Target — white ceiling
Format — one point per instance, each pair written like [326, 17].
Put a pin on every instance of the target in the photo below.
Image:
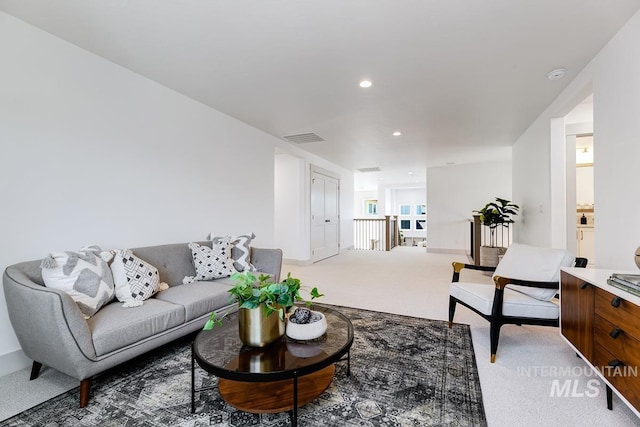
[462, 79]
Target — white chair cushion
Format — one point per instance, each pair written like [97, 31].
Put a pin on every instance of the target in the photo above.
[526, 262]
[480, 297]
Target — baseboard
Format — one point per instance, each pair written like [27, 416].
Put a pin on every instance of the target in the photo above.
[302, 262]
[12, 362]
[446, 251]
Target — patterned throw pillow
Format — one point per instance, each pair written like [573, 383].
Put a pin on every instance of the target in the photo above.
[211, 263]
[136, 280]
[84, 275]
[240, 251]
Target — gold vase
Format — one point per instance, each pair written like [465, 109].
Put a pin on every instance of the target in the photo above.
[257, 329]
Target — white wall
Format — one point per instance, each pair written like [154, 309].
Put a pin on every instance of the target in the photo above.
[454, 192]
[93, 153]
[359, 199]
[290, 194]
[613, 77]
[293, 183]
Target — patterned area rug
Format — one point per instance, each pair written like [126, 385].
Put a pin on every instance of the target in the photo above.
[405, 371]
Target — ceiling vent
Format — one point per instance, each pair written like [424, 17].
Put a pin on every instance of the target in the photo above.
[303, 138]
[373, 169]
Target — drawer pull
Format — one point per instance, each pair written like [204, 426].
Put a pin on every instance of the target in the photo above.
[615, 333]
[584, 285]
[615, 363]
[615, 302]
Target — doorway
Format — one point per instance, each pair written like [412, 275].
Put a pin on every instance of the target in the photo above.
[580, 195]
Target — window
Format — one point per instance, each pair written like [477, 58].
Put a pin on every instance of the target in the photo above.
[405, 224]
[405, 209]
[371, 207]
[421, 209]
[420, 224]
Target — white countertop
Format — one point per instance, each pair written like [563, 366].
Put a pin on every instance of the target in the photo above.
[598, 277]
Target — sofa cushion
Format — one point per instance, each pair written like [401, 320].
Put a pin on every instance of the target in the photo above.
[136, 280]
[197, 298]
[84, 275]
[115, 327]
[480, 296]
[240, 250]
[173, 261]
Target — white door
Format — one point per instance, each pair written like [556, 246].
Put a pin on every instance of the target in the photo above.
[325, 193]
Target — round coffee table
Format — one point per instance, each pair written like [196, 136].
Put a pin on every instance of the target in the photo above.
[279, 377]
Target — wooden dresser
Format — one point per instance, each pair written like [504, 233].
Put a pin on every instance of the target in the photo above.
[602, 323]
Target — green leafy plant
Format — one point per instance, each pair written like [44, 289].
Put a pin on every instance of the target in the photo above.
[497, 213]
[250, 292]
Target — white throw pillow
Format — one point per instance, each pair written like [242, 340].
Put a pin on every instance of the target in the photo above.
[135, 279]
[240, 250]
[211, 263]
[526, 262]
[84, 275]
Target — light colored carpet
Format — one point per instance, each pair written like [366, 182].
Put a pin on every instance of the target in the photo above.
[412, 282]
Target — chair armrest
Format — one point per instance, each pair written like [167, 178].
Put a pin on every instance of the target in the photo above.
[459, 266]
[502, 281]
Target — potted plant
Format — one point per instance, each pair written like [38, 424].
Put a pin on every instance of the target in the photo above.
[493, 215]
[258, 299]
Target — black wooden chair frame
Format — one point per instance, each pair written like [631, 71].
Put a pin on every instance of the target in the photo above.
[496, 319]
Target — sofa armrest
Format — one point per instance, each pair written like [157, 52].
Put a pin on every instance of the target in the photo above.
[267, 261]
[50, 327]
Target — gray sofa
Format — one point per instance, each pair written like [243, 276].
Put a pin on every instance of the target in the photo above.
[53, 332]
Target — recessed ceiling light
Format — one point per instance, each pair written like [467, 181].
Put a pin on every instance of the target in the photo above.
[410, 173]
[397, 133]
[365, 83]
[556, 74]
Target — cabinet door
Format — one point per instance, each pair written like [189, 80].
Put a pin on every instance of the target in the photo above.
[586, 244]
[576, 313]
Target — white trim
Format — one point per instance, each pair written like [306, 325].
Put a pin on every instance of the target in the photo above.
[13, 362]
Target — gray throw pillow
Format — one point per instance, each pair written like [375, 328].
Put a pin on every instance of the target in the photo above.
[84, 275]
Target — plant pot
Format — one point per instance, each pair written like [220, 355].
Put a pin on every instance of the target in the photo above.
[489, 256]
[263, 359]
[257, 329]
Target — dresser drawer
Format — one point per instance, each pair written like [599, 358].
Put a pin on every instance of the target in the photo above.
[623, 347]
[626, 314]
[626, 379]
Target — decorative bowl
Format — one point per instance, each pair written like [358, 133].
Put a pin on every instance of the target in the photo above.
[307, 331]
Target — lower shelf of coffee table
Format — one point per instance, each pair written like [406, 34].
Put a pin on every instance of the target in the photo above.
[274, 396]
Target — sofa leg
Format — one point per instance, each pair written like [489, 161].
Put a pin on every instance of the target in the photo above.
[35, 370]
[85, 387]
